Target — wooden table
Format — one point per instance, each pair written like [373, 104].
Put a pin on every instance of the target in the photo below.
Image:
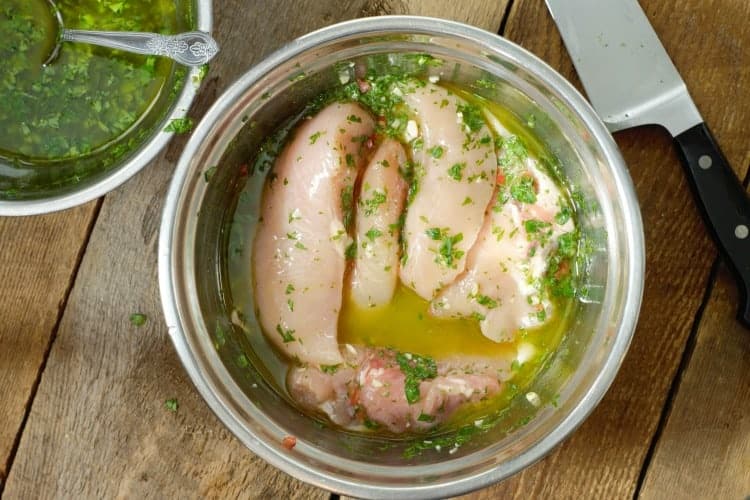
[82, 390]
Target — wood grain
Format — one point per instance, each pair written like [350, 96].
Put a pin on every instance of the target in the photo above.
[604, 458]
[704, 450]
[39, 259]
[486, 15]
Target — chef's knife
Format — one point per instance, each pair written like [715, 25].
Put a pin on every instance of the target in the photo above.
[630, 80]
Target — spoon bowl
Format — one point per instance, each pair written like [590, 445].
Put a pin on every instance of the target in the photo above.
[193, 48]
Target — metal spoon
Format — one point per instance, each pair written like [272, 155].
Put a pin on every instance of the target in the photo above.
[194, 48]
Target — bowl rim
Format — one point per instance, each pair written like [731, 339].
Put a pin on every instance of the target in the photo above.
[143, 157]
[633, 241]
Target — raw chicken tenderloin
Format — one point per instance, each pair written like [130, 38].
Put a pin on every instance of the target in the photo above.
[506, 264]
[299, 258]
[370, 386]
[381, 202]
[455, 175]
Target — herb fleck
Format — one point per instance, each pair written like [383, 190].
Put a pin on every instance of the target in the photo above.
[317, 135]
[372, 204]
[456, 171]
[416, 369]
[138, 319]
[179, 125]
[172, 404]
[287, 335]
[330, 369]
[373, 233]
[523, 190]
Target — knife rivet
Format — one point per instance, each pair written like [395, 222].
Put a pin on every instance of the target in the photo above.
[705, 162]
[741, 231]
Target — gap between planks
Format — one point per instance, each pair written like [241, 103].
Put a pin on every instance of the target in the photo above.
[687, 355]
[50, 343]
[674, 387]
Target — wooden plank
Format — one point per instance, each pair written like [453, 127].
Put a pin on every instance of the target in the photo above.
[98, 427]
[704, 450]
[486, 15]
[603, 459]
[40, 256]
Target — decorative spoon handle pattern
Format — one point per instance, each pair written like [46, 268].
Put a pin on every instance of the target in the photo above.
[194, 48]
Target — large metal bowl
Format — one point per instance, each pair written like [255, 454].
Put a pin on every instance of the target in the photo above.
[59, 185]
[193, 253]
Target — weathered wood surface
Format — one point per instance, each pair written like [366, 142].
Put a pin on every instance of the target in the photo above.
[98, 426]
[39, 259]
[704, 450]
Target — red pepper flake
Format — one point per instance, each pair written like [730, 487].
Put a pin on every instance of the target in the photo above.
[243, 170]
[289, 442]
[563, 270]
[364, 85]
[500, 178]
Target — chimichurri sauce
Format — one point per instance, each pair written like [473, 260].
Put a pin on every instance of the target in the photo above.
[89, 97]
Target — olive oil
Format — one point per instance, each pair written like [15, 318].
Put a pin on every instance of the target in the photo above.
[89, 97]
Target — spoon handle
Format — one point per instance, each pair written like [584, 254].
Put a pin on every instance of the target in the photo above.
[194, 48]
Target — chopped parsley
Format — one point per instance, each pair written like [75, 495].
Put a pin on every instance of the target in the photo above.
[294, 215]
[563, 215]
[350, 161]
[436, 152]
[138, 319]
[423, 417]
[373, 233]
[242, 361]
[289, 289]
[486, 301]
[330, 369]
[471, 116]
[415, 368]
[372, 204]
[370, 424]
[347, 206]
[351, 251]
[209, 173]
[180, 125]
[537, 229]
[317, 135]
[172, 404]
[467, 201]
[447, 254]
[456, 171]
[287, 335]
[523, 190]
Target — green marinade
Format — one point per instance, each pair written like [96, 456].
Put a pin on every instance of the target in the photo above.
[90, 96]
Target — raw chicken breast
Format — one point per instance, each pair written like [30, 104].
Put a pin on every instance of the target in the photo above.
[306, 211]
[381, 202]
[455, 171]
[502, 282]
[372, 387]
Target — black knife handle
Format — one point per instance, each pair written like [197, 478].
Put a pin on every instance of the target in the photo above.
[724, 204]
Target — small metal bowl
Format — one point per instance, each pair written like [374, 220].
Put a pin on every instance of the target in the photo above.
[193, 254]
[69, 183]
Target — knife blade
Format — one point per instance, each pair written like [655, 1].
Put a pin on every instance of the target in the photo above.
[631, 81]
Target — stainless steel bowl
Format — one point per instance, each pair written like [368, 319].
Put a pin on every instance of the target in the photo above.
[62, 194]
[193, 246]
